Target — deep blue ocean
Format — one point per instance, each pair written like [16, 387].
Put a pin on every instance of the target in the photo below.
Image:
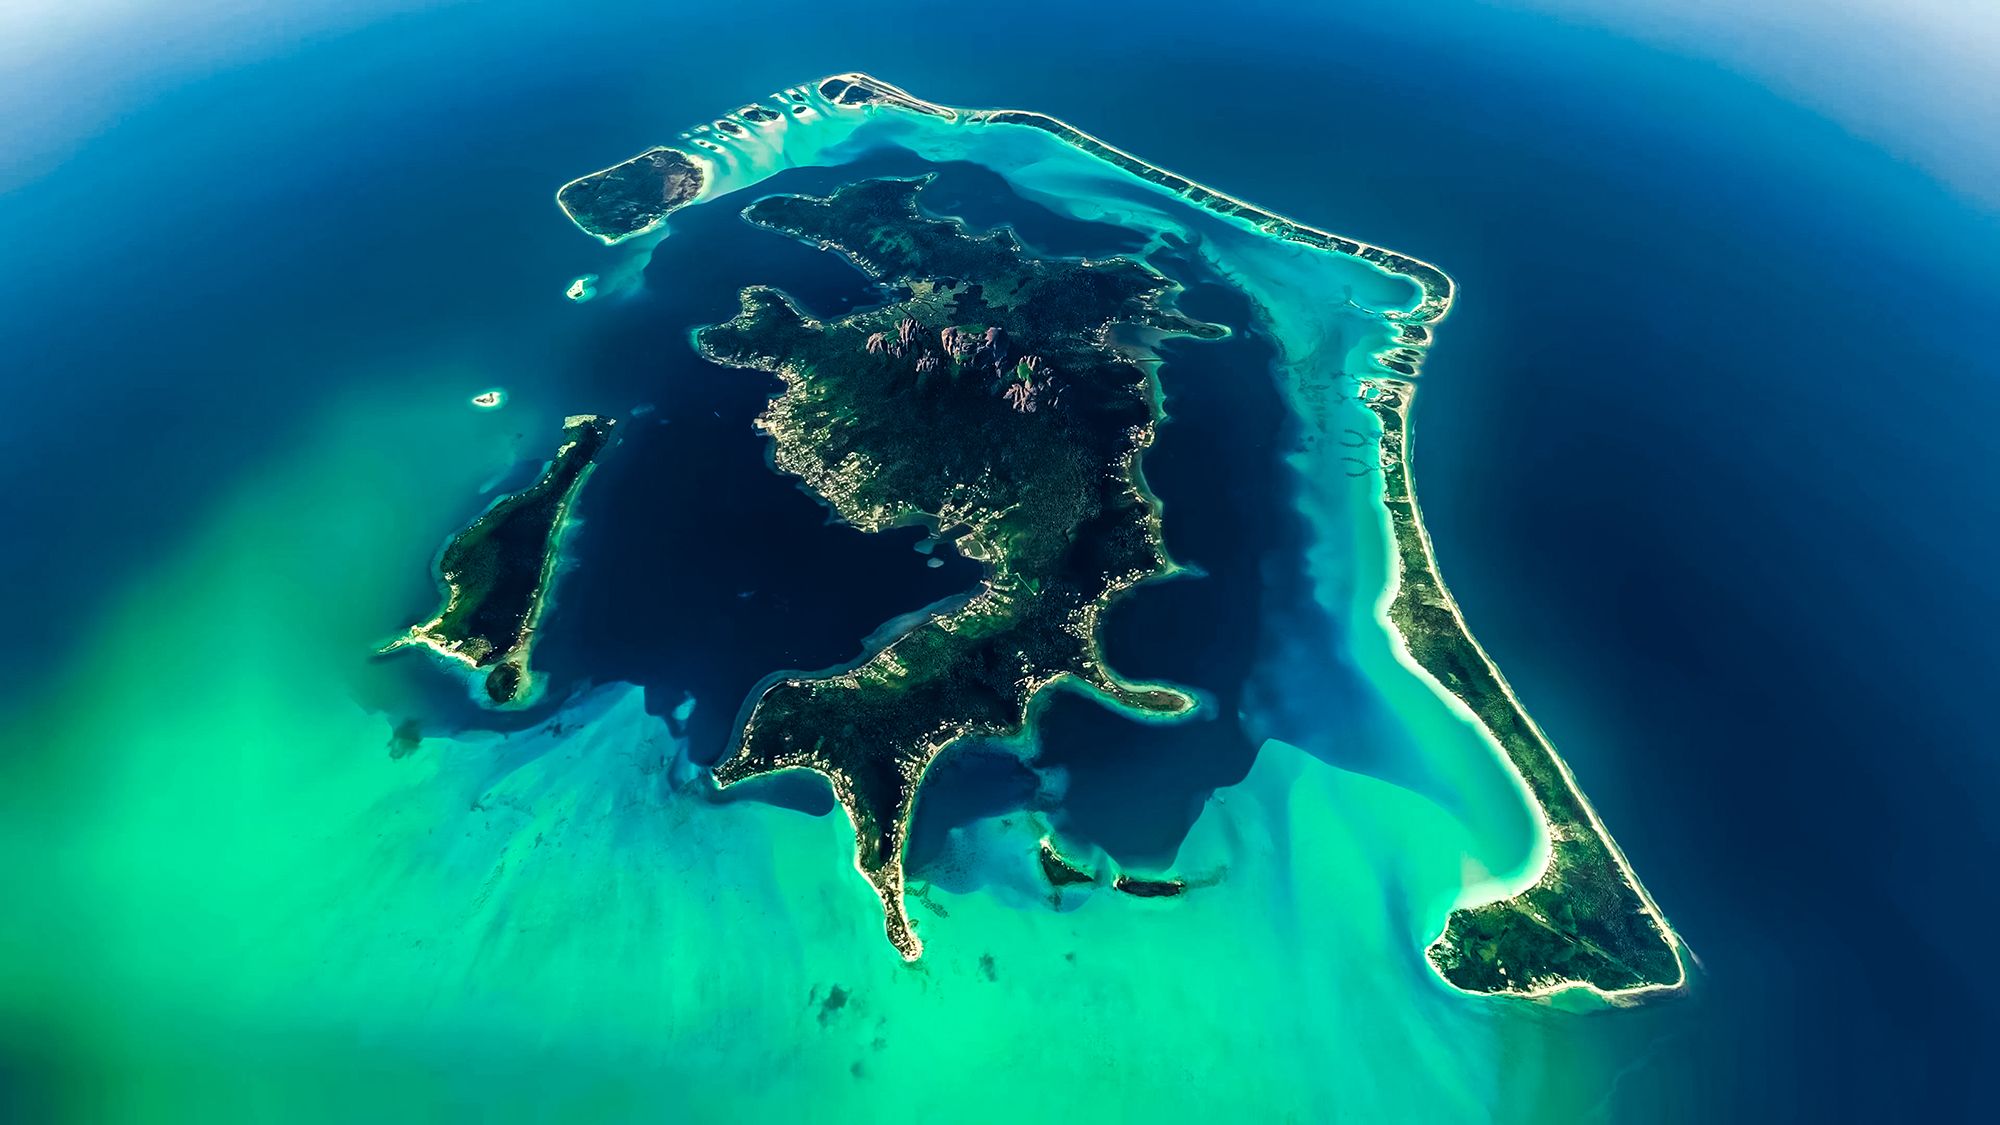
[1703, 445]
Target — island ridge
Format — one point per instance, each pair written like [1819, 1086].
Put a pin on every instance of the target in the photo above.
[992, 402]
[496, 574]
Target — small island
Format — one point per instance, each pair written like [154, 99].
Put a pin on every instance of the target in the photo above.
[496, 574]
[1586, 921]
[1149, 888]
[631, 197]
[1001, 401]
[867, 91]
[1059, 870]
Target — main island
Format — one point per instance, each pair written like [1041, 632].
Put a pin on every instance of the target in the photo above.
[992, 403]
[1004, 401]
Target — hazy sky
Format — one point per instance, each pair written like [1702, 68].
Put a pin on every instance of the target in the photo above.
[1919, 78]
[69, 68]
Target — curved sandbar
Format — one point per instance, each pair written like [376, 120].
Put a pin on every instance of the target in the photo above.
[1150, 888]
[1586, 921]
[1524, 945]
[634, 196]
[497, 573]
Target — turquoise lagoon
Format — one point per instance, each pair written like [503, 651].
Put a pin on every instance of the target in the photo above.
[227, 900]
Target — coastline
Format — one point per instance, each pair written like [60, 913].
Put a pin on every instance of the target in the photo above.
[1435, 287]
[1390, 402]
[517, 654]
[827, 484]
[1433, 283]
[572, 216]
[1402, 360]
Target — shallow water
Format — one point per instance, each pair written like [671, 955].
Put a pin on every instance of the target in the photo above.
[476, 860]
[229, 896]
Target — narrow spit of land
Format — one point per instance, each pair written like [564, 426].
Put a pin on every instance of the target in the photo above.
[1586, 921]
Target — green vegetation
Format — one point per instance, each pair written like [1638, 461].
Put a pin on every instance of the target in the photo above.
[1059, 870]
[1436, 287]
[1586, 921]
[988, 402]
[1150, 888]
[497, 572]
[627, 199]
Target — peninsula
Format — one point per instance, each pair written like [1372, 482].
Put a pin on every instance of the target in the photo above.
[991, 401]
[1059, 870]
[1586, 921]
[496, 573]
